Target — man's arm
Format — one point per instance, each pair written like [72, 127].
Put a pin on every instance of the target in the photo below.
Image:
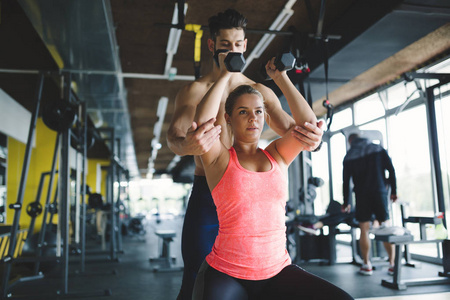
[392, 178]
[346, 175]
[184, 137]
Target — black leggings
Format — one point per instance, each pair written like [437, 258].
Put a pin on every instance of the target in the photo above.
[291, 283]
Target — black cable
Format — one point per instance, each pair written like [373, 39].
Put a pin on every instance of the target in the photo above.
[326, 103]
[330, 111]
[325, 63]
[180, 4]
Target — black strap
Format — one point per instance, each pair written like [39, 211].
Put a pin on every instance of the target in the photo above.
[326, 102]
[325, 64]
[197, 66]
[180, 4]
[309, 94]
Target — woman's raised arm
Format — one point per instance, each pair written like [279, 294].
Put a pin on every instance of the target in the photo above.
[287, 146]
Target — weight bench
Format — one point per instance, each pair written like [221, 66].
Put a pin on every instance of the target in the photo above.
[422, 222]
[324, 246]
[333, 232]
[397, 282]
[165, 260]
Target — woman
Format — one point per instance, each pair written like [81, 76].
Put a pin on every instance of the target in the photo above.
[249, 259]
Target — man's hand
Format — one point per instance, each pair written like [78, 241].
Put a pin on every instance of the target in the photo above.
[393, 197]
[199, 140]
[309, 135]
[346, 208]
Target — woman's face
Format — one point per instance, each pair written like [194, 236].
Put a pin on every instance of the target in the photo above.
[247, 117]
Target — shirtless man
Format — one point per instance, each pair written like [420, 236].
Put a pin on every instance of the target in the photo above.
[200, 228]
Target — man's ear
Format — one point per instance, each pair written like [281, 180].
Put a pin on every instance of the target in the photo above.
[211, 44]
[245, 45]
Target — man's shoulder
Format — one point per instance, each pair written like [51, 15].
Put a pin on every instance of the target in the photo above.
[240, 79]
[374, 148]
[196, 86]
[194, 90]
[257, 85]
[263, 89]
[363, 151]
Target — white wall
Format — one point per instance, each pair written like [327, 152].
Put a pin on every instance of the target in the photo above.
[14, 118]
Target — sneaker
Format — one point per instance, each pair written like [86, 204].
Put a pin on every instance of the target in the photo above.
[307, 229]
[391, 270]
[366, 270]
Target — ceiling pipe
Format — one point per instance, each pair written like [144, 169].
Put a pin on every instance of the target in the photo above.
[158, 76]
[100, 72]
[267, 38]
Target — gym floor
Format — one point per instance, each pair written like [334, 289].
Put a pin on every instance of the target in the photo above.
[132, 276]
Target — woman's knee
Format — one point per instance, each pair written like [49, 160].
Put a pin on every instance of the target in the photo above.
[294, 282]
[212, 284]
[199, 284]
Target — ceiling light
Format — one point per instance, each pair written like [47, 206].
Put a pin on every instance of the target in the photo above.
[156, 145]
[267, 38]
[174, 40]
[175, 34]
[173, 163]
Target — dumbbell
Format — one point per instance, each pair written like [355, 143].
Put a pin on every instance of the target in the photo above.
[234, 62]
[283, 62]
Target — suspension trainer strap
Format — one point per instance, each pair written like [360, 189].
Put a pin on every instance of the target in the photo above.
[197, 29]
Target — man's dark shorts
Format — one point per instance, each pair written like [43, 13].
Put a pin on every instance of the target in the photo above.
[373, 204]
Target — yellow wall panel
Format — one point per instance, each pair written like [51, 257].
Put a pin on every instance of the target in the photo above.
[40, 161]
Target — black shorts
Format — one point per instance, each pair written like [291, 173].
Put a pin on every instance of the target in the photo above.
[375, 204]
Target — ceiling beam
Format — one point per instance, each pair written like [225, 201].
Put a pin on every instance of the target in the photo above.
[407, 59]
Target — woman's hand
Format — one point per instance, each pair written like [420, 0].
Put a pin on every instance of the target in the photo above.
[272, 70]
[221, 58]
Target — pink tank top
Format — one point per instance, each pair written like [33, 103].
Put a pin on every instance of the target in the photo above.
[251, 243]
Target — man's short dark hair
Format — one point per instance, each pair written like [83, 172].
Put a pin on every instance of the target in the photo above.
[226, 20]
[352, 137]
